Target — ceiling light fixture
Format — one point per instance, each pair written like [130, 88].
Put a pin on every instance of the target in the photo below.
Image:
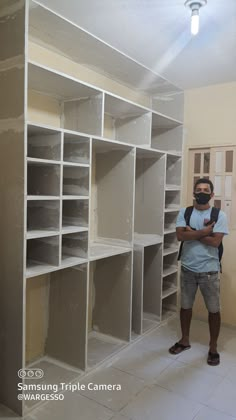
[194, 6]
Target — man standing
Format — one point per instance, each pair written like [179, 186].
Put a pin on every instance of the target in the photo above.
[200, 266]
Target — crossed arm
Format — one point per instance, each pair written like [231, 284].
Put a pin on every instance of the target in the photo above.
[205, 235]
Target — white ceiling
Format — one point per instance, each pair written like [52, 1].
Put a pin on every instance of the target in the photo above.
[157, 34]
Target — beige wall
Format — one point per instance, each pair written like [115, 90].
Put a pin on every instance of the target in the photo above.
[210, 121]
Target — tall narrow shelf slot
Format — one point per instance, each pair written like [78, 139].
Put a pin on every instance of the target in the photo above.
[149, 197]
[74, 248]
[110, 322]
[56, 325]
[173, 172]
[147, 281]
[111, 228]
[169, 306]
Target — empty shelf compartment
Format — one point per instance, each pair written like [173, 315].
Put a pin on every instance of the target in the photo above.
[43, 218]
[75, 181]
[76, 149]
[173, 171]
[112, 204]
[170, 264]
[43, 143]
[149, 194]
[84, 114]
[74, 248]
[167, 134]
[110, 283]
[171, 104]
[42, 255]
[43, 179]
[169, 306]
[170, 222]
[56, 306]
[74, 214]
[172, 200]
[126, 122]
[169, 285]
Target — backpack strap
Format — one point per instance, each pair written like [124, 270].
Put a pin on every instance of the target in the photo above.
[214, 217]
[187, 216]
[215, 214]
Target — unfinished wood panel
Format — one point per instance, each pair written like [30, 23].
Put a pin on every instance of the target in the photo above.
[76, 149]
[43, 179]
[152, 280]
[127, 122]
[137, 300]
[171, 105]
[112, 301]
[113, 209]
[75, 213]
[44, 109]
[149, 195]
[37, 306]
[173, 170]
[84, 115]
[75, 181]
[12, 107]
[170, 140]
[67, 323]
[43, 143]
[42, 217]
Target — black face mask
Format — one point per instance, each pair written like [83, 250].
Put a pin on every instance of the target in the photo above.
[202, 198]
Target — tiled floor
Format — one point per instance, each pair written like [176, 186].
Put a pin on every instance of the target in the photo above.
[154, 384]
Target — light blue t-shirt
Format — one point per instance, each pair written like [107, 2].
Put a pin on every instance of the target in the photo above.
[196, 256]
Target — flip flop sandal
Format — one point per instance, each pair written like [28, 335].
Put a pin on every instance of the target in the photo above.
[213, 359]
[177, 348]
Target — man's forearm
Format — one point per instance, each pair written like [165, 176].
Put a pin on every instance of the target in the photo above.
[210, 240]
[191, 235]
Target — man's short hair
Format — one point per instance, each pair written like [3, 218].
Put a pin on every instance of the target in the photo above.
[204, 181]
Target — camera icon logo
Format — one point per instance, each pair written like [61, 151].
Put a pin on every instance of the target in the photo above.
[30, 373]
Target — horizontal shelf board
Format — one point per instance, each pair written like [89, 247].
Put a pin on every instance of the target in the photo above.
[75, 197]
[172, 187]
[42, 197]
[119, 108]
[172, 210]
[73, 229]
[36, 128]
[81, 165]
[68, 261]
[93, 52]
[151, 317]
[43, 161]
[146, 152]
[170, 230]
[51, 82]
[170, 250]
[174, 153]
[169, 270]
[35, 269]
[98, 250]
[170, 291]
[103, 145]
[147, 239]
[162, 121]
[41, 233]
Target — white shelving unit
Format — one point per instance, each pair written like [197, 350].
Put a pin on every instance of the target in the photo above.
[91, 189]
